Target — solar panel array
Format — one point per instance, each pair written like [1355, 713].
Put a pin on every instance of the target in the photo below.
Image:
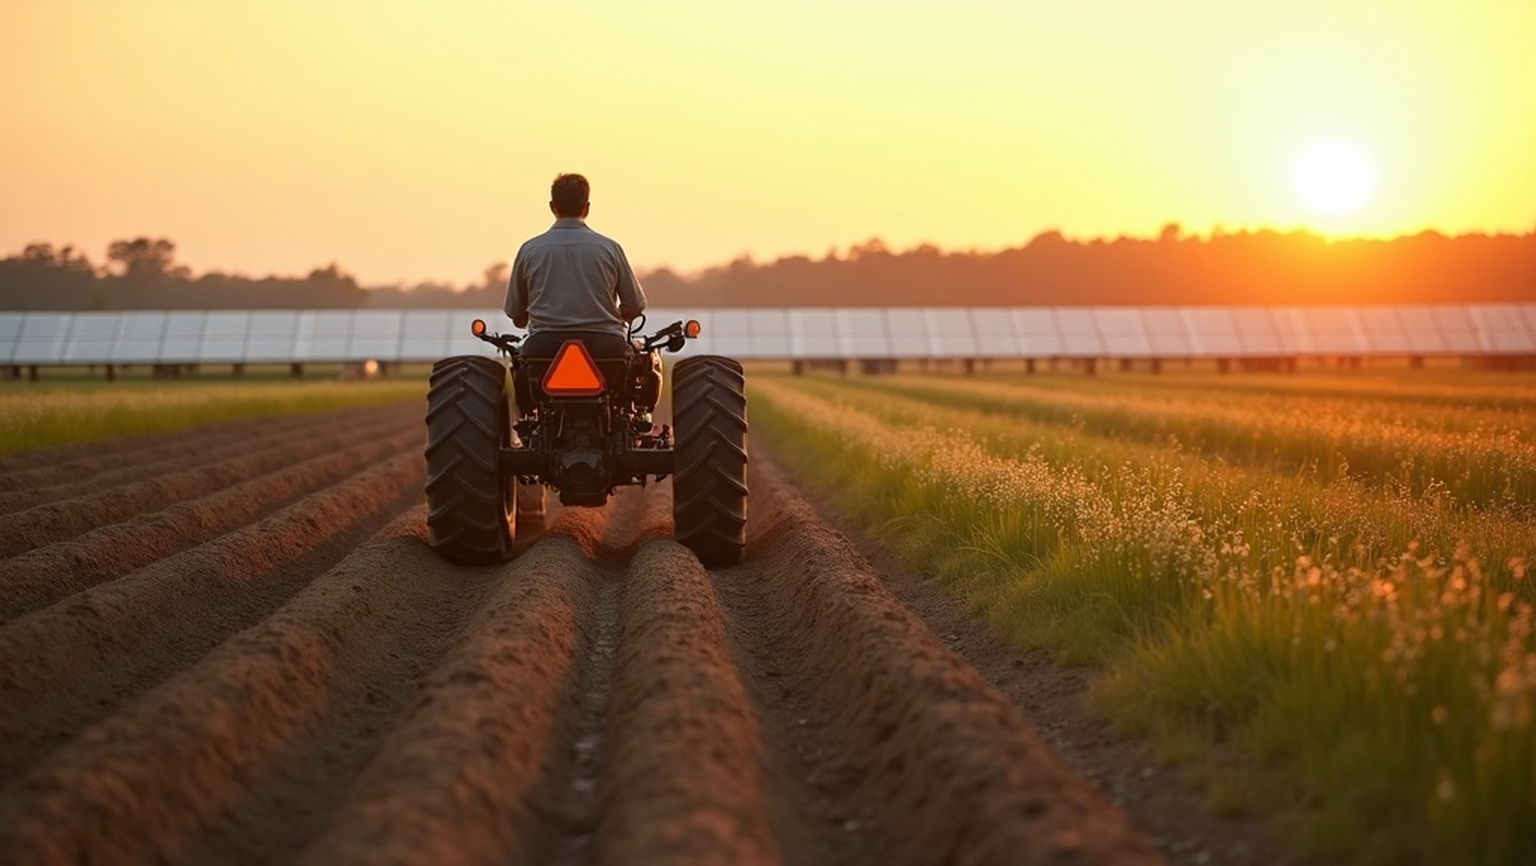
[301, 336]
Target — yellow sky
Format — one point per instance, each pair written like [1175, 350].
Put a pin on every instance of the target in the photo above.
[415, 141]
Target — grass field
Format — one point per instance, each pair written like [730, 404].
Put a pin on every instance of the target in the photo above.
[70, 406]
[1310, 591]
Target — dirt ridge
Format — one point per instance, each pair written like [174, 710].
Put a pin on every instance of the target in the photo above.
[61, 464]
[62, 662]
[21, 531]
[44, 575]
[113, 470]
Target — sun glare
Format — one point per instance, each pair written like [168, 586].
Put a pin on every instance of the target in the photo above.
[1334, 178]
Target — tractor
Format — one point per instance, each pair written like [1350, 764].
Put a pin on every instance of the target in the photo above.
[502, 431]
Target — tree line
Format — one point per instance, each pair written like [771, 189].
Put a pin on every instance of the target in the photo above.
[1261, 267]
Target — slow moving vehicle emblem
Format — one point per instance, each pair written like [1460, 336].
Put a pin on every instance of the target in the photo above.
[573, 373]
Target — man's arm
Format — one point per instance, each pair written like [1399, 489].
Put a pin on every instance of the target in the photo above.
[516, 305]
[631, 296]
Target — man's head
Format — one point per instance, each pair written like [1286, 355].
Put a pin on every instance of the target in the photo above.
[568, 196]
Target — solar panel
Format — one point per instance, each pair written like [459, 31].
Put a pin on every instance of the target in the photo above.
[375, 335]
[42, 339]
[813, 333]
[1257, 331]
[1035, 330]
[91, 338]
[1529, 312]
[10, 334]
[1212, 332]
[911, 334]
[322, 335]
[294, 336]
[1421, 330]
[1122, 332]
[1166, 333]
[1320, 331]
[1383, 331]
[768, 333]
[1079, 333]
[863, 332]
[1457, 327]
[950, 333]
[1502, 329]
[994, 333]
[138, 340]
[183, 336]
[272, 337]
[224, 337]
[424, 333]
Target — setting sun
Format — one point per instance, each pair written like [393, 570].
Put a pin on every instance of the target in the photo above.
[1334, 178]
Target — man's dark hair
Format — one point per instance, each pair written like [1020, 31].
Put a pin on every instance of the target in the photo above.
[569, 194]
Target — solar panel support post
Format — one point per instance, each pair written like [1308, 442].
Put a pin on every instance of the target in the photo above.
[296, 370]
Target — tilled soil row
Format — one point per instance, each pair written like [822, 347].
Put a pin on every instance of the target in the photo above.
[55, 521]
[600, 698]
[108, 471]
[64, 665]
[32, 473]
[44, 575]
[901, 749]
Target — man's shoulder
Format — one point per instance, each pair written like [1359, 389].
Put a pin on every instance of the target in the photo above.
[596, 236]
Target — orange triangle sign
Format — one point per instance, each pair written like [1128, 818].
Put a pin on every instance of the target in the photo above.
[573, 374]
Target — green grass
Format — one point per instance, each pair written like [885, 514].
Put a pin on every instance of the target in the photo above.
[64, 409]
[1349, 652]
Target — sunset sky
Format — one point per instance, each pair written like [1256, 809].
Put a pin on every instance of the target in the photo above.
[412, 141]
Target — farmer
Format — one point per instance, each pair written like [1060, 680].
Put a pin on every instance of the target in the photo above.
[571, 282]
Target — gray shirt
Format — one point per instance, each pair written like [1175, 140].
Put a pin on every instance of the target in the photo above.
[571, 278]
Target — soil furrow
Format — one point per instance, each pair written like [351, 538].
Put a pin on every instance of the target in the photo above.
[459, 780]
[68, 664]
[939, 766]
[681, 781]
[64, 463]
[574, 771]
[118, 471]
[57, 521]
[578, 801]
[419, 611]
[42, 576]
[141, 784]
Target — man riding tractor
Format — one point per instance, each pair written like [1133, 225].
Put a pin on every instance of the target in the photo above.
[570, 407]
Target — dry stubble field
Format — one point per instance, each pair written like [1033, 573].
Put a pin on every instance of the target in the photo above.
[231, 644]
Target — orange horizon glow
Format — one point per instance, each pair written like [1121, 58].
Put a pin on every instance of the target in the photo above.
[415, 142]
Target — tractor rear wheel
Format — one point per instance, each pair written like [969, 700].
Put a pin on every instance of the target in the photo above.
[709, 479]
[471, 506]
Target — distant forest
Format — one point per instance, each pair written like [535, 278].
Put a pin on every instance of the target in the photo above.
[1263, 267]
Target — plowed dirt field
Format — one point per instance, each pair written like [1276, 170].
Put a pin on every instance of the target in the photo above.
[233, 645]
